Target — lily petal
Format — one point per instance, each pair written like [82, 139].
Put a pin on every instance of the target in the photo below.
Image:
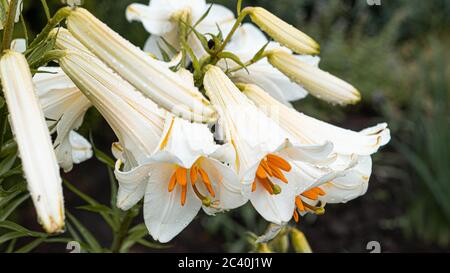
[164, 216]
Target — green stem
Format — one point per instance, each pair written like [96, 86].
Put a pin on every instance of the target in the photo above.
[239, 7]
[120, 235]
[46, 9]
[236, 25]
[49, 56]
[59, 16]
[247, 64]
[9, 26]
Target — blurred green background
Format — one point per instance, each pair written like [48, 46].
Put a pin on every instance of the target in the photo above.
[397, 54]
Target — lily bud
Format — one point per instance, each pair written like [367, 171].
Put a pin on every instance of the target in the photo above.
[299, 242]
[282, 32]
[151, 77]
[317, 82]
[33, 138]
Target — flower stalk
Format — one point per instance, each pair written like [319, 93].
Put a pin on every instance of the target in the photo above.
[9, 26]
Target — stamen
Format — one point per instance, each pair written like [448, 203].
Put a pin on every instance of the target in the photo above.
[279, 162]
[206, 181]
[193, 175]
[172, 182]
[260, 173]
[181, 174]
[310, 194]
[183, 194]
[299, 203]
[266, 167]
[271, 166]
[319, 191]
[278, 174]
[316, 210]
[295, 216]
[267, 185]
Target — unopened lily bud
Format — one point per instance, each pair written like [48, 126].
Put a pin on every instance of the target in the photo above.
[317, 82]
[283, 32]
[299, 242]
[33, 138]
[151, 77]
[64, 40]
[263, 248]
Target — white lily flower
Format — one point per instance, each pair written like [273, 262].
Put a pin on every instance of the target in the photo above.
[34, 142]
[282, 32]
[154, 79]
[161, 19]
[155, 152]
[64, 107]
[263, 150]
[317, 82]
[3, 13]
[353, 166]
[245, 44]
[182, 176]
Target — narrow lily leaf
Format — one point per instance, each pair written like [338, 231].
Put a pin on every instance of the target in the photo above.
[6, 164]
[231, 56]
[11, 246]
[152, 244]
[14, 171]
[100, 155]
[5, 212]
[15, 227]
[86, 234]
[2, 102]
[96, 208]
[203, 16]
[11, 236]
[91, 201]
[31, 246]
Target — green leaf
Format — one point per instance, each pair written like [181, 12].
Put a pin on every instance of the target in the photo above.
[101, 156]
[202, 17]
[172, 49]
[95, 208]
[231, 56]
[11, 236]
[29, 247]
[18, 228]
[2, 102]
[11, 246]
[152, 244]
[7, 163]
[136, 235]
[7, 210]
[202, 38]
[86, 234]
[14, 171]
[91, 201]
